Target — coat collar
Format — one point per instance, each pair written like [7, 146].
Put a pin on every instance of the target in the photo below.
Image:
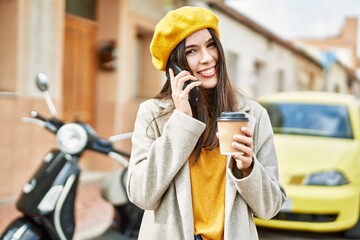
[164, 103]
[244, 105]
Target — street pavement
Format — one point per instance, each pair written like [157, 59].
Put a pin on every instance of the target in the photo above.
[271, 234]
[264, 234]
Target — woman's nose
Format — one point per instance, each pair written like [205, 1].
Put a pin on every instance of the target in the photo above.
[205, 56]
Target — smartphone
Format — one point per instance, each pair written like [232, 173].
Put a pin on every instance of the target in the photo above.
[194, 93]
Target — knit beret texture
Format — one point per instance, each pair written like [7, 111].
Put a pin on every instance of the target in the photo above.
[177, 25]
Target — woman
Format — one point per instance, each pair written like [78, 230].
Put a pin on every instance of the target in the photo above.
[176, 173]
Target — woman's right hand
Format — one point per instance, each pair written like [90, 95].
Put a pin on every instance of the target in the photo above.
[181, 96]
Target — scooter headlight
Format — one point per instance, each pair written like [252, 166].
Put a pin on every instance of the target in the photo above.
[71, 138]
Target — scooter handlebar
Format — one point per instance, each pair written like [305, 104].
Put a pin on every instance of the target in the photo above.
[119, 157]
[120, 137]
[95, 143]
[106, 147]
[52, 125]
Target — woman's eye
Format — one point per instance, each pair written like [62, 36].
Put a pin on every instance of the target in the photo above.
[190, 51]
[212, 45]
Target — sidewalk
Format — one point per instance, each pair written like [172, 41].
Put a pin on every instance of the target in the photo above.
[92, 214]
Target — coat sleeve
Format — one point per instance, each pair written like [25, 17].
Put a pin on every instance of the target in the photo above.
[261, 189]
[158, 153]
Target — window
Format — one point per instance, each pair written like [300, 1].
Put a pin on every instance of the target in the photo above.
[9, 49]
[280, 80]
[311, 81]
[148, 78]
[231, 63]
[310, 119]
[258, 77]
[81, 8]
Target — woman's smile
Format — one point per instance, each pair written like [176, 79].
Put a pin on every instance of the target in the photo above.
[207, 73]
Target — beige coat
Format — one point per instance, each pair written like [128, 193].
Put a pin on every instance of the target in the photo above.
[159, 177]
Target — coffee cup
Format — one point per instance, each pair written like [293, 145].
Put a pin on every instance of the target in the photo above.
[229, 124]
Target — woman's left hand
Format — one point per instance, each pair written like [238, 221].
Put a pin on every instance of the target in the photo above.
[244, 143]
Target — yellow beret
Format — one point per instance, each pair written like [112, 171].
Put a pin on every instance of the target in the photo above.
[177, 25]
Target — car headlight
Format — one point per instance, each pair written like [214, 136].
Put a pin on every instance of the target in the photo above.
[328, 178]
[71, 138]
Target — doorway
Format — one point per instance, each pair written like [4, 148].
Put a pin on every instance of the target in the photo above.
[79, 61]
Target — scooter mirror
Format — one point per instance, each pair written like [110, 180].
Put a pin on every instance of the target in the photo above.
[41, 82]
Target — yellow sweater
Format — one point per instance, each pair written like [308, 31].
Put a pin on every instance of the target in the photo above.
[208, 194]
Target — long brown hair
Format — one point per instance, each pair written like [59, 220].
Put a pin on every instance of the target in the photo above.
[222, 98]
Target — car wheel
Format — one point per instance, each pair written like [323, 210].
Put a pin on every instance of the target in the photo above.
[353, 232]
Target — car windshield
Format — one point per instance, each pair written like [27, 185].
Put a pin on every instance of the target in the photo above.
[310, 119]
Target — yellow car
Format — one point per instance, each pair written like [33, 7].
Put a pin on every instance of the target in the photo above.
[317, 139]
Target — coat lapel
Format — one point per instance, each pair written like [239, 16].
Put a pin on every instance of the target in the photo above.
[230, 189]
[183, 189]
[230, 194]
